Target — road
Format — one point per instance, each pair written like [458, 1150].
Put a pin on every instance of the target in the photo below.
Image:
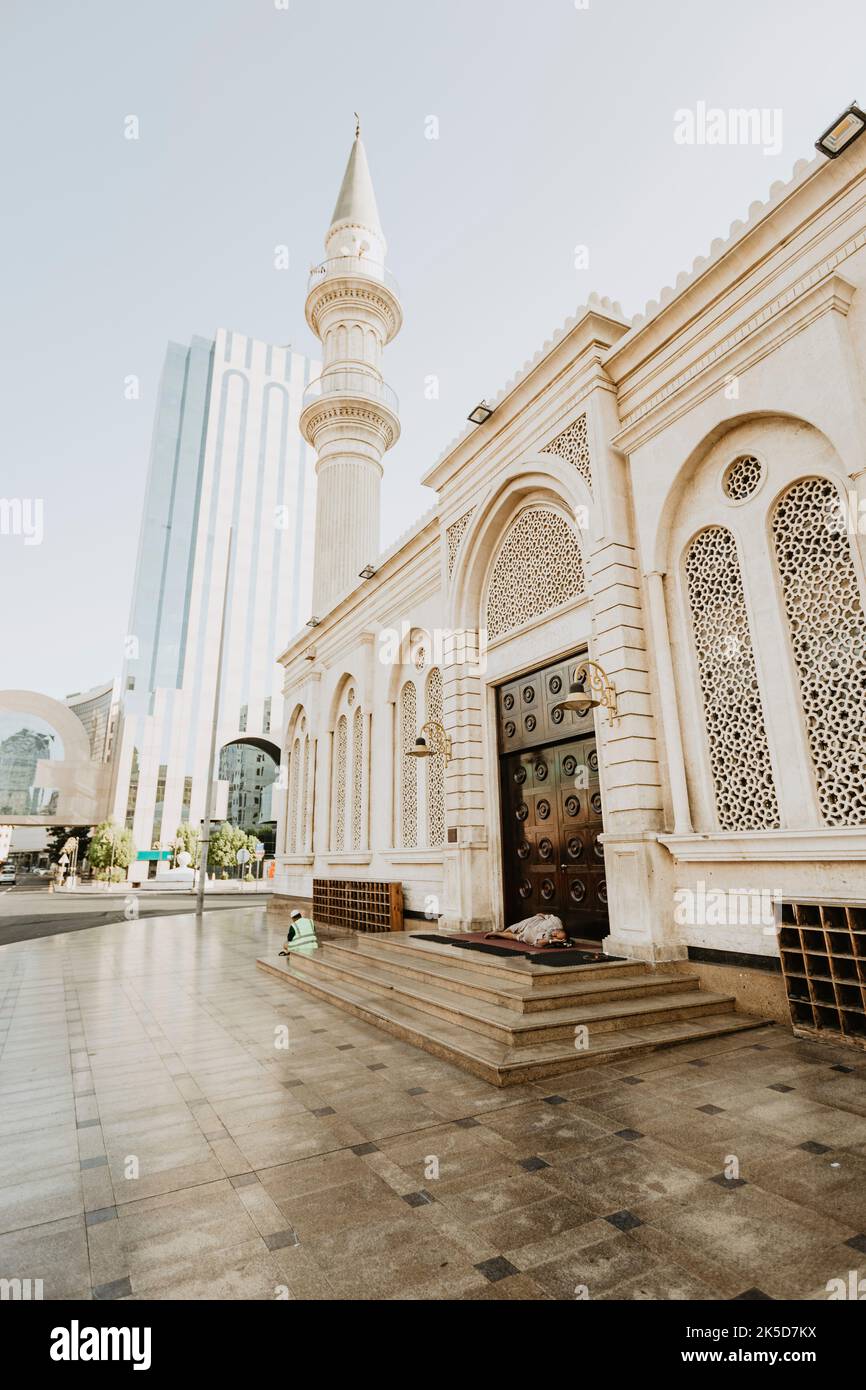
[28, 910]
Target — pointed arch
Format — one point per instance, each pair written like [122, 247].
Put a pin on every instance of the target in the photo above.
[538, 567]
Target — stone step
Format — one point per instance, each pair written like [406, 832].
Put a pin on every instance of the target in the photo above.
[514, 969]
[505, 1025]
[500, 1019]
[450, 974]
[484, 1057]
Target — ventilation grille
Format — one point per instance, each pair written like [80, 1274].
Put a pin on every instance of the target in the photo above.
[355, 905]
[823, 950]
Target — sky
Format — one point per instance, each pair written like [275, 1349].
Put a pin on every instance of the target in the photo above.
[557, 129]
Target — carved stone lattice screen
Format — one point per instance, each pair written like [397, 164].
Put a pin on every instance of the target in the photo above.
[828, 636]
[572, 445]
[408, 767]
[358, 905]
[539, 566]
[435, 766]
[340, 784]
[454, 536]
[742, 477]
[357, 777]
[745, 793]
[823, 950]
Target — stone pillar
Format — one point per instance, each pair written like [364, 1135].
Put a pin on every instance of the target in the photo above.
[668, 701]
[466, 858]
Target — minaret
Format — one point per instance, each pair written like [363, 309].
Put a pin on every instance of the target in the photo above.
[350, 415]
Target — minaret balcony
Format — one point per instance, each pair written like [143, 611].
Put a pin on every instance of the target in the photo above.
[345, 392]
[349, 383]
[352, 266]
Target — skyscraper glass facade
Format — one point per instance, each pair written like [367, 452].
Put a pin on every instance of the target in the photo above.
[226, 456]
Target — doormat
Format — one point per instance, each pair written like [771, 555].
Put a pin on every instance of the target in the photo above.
[542, 955]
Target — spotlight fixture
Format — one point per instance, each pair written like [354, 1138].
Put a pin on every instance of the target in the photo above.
[367, 572]
[440, 743]
[312, 622]
[589, 677]
[481, 413]
[843, 132]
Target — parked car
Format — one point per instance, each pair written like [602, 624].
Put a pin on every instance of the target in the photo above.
[8, 874]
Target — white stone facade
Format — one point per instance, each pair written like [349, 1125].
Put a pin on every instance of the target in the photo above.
[684, 497]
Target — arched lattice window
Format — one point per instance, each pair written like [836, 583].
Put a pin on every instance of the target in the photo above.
[294, 795]
[828, 636]
[306, 816]
[408, 767]
[435, 765]
[340, 758]
[539, 566]
[357, 777]
[745, 793]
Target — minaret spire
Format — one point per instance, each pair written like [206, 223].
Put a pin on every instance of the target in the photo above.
[350, 415]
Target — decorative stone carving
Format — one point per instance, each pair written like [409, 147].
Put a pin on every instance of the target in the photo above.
[572, 445]
[742, 477]
[745, 793]
[357, 776]
[454, 536]
[435, 766]
[539, 567]
[828, 635]
[340, 784]
[408, 768]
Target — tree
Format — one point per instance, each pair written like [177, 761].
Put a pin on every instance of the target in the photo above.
[224, 845]
[58, 837]
[111, 849]
[187, 839]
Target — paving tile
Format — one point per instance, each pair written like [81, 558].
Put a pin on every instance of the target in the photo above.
[601, 1181]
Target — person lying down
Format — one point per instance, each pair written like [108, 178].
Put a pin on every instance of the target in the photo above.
[541, 930]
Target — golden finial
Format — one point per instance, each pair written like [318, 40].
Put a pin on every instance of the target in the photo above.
[357, 126]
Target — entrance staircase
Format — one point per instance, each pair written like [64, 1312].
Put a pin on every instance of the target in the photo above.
[509, 1020]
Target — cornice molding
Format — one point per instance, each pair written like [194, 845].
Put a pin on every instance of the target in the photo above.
[822, 291]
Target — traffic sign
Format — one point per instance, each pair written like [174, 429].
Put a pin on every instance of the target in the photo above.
[242, 856]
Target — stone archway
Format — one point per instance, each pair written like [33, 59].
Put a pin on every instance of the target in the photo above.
[250, 765]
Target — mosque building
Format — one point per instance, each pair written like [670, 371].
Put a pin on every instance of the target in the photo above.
[677, 500]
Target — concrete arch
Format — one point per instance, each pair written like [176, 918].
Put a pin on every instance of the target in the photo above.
[69, 728]
[264, 745]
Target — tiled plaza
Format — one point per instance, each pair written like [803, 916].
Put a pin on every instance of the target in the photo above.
[158, 1140]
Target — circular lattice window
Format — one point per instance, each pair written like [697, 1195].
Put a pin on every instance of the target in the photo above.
[742, 478]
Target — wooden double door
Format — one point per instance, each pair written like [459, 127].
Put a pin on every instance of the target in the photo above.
[552, 821]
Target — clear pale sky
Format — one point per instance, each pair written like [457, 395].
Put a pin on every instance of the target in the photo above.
[556, 129]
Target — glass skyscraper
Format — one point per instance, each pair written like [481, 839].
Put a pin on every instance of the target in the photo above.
[226, 454]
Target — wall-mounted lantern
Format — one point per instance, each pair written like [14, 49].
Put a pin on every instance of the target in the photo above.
[439, 745]
[590, 688]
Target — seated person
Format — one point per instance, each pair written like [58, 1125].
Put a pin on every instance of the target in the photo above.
[541, 930]
[301, 933]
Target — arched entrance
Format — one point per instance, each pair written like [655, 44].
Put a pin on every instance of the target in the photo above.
[250, 766]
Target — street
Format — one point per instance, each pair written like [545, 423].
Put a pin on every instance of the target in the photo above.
[28, 910]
